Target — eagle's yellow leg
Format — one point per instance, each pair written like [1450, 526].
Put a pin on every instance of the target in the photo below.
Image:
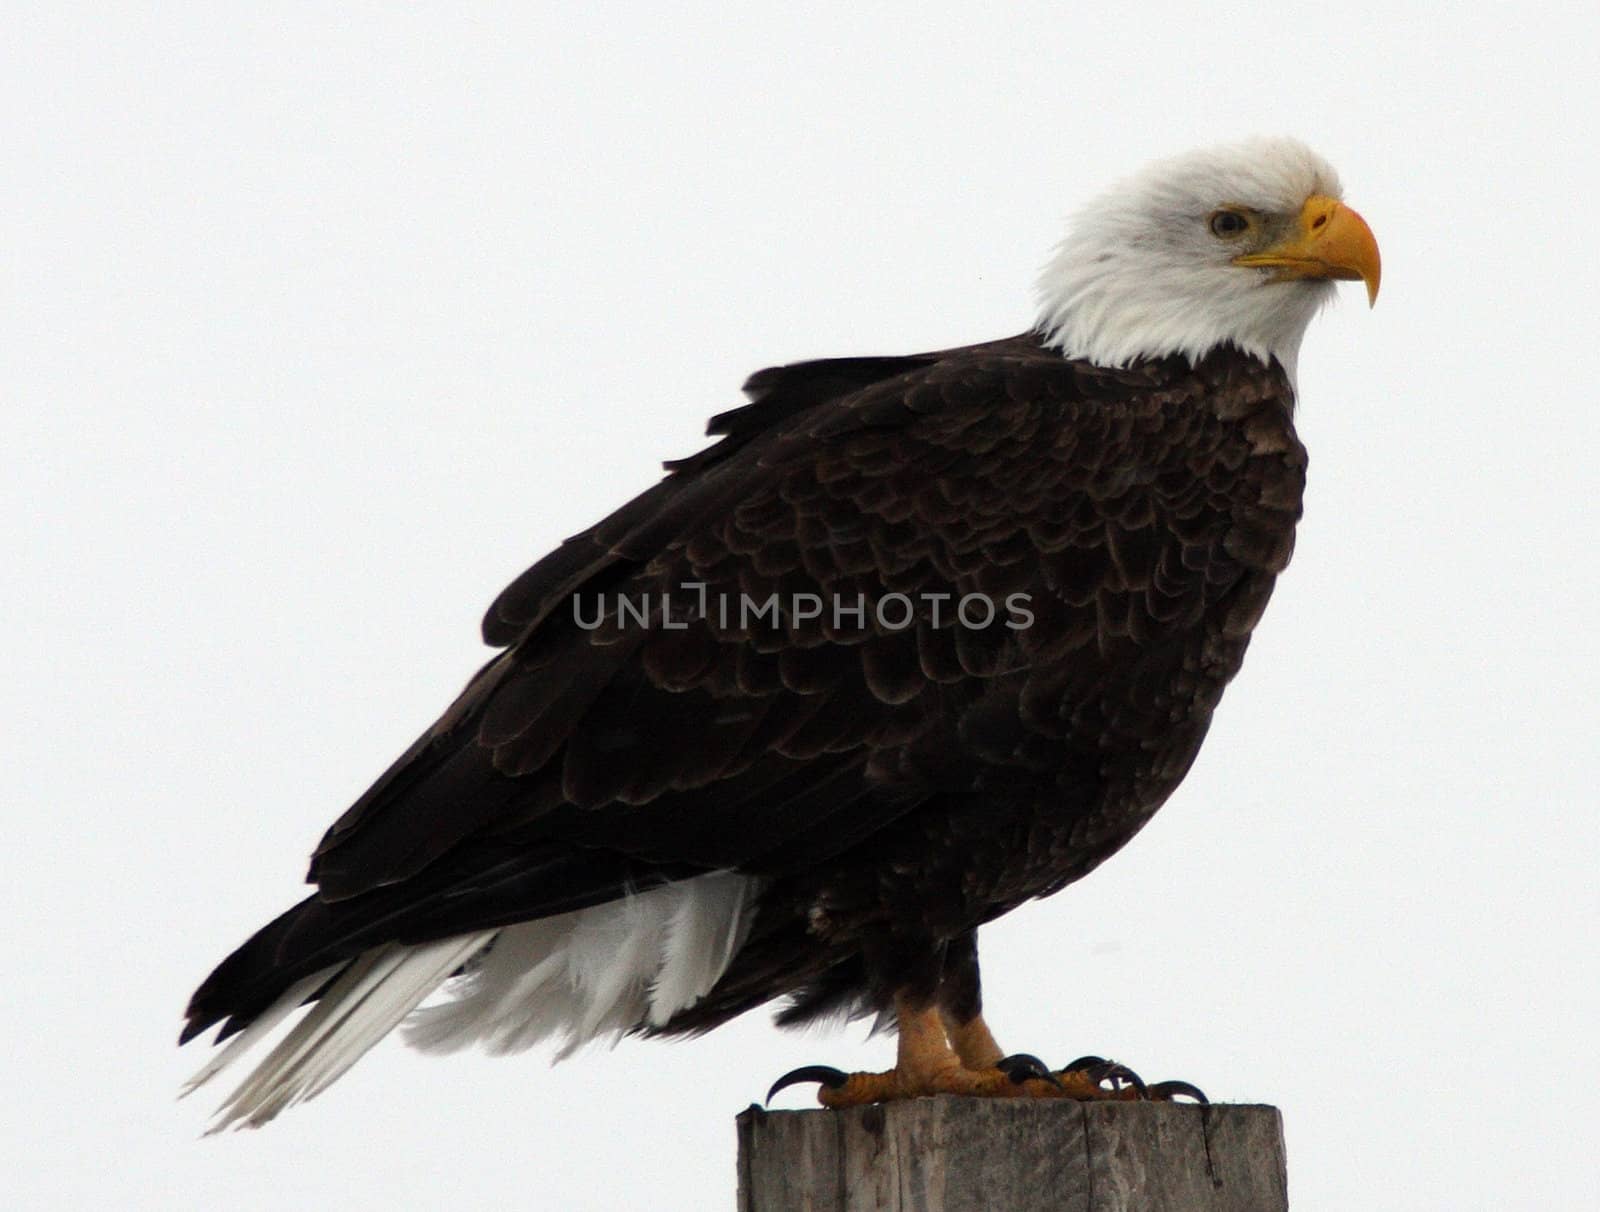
[973, 1042]
[926, 1063]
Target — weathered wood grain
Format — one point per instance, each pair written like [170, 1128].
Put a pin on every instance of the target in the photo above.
[977, 1155]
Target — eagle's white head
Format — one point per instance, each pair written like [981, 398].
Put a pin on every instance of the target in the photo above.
[1236, 244]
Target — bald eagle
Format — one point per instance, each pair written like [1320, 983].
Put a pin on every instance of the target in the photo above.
[918, 639]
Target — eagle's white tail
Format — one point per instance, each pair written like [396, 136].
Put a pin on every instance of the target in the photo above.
[367, 1001]
[600, 971]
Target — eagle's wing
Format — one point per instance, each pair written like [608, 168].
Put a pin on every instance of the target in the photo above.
[584, 762]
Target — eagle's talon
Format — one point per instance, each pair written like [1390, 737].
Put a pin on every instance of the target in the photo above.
[1024, 1066]
[1168, 1091]
[1091, 1078]
[829, 1077]
[1084, 1064]
[1120, 1076]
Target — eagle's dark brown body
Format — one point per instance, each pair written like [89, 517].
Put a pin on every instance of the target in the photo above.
[894, 788]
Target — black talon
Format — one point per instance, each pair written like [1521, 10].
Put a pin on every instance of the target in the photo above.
[1084, 1063]
[1023, 1066]
[1165, 1091]
[825, 1074]
[1100, 1069]
[1118, 1075]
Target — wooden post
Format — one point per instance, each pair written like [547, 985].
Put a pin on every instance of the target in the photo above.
[997, 1155]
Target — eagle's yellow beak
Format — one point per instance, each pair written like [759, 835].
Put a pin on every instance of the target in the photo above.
[1333, 242]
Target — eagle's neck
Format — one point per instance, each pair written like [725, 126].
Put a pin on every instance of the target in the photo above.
[1109, 301]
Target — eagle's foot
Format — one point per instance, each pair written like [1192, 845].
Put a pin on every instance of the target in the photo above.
[1013, 1077]
[932, 1058]
[940, 1057]
[1087, 1079]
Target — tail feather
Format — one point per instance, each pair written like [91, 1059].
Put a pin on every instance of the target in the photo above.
[702, 934]
[260, 1027]
[603, 971]
[366, 1002]
[629, 964]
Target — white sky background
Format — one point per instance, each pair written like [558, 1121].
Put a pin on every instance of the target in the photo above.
[318, 329]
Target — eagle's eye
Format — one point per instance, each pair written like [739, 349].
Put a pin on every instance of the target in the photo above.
[1228, 224]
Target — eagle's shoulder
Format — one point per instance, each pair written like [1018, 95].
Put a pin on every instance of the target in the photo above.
[792, 408]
